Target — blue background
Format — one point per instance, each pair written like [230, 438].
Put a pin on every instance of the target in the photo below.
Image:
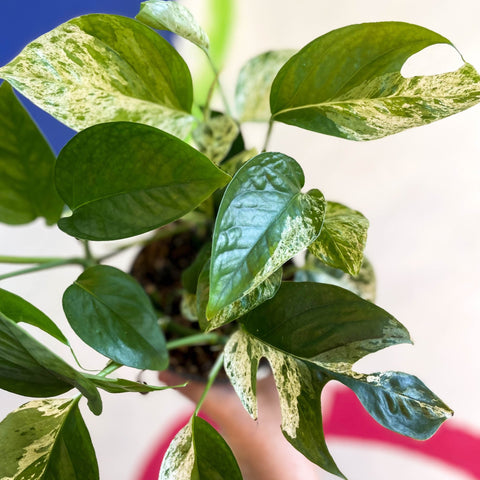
[22, 21]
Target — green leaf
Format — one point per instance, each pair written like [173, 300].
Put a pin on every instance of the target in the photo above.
[110, 311]
[347, 83]
[199, 452]
[28, 368]
[342, 239]
[101, 68]
[262, 292]
[215, 137]
[171, 16]
[252, 92]
[20, 311]
[120, 385]
[27, 189]
[363, 284]
[398, 401]
[324, 323]
[47, 439]
[263, 221]
[122, 179]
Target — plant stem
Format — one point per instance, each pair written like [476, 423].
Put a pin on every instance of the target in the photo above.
[269, 134]
[220, 88]
[44, 266]
[90, 260]
[109, 368]
[161, 234]
[29, 260]
[198, 339]
[211, 379]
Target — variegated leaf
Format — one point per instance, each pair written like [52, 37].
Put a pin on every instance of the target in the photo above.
[342, 239]
[199, 452]
[46, 439]
[299, 388]
[254, 82]
[363, 284]
[215, 137]
[101, 68]
[174, 17]
[263, 221]
[347, 83]
[396, 400]
[261, 293]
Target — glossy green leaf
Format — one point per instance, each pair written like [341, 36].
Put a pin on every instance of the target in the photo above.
[199, 452]
[28, 368]
[45, 440]
[299, 388]
[252, 92]
[262, 292]
[171, 16]
[121, 385]
[312, 333]
[122, 179]
[342, 239]
[21, 311]
[215, 137]
[263, 221]
[363, 284]
[27, 189]
[110, 311]
[101, 68]
[399, 402]
[347, 83]
[324, 323]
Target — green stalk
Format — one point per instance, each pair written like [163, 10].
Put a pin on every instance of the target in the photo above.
[269, 134]
[198, 339]
[44, 266]
[30, 260]
[109, 368]
[211, 379]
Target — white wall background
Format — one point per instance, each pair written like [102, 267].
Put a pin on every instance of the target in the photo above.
[420, 191]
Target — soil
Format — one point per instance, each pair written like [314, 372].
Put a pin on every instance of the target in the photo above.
[158, 267]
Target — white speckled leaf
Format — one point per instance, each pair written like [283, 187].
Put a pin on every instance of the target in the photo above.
[171, 16]
[46, 439]
[215, 137]
[199, 452]
[101, 68]
[342, 239]
[347, 83]
[254, 82]
[299, 387]
[255, 297]
[263, 221]
[179, 460]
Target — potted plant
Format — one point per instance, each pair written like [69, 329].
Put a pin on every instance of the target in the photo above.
[229, 219]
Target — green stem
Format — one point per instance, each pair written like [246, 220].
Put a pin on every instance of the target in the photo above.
[29, 260]
[44, 266]
[90, 260]
[161, 234]
[219, 85]
[211, 379]
[198, 339]
[269, 134]
[109, 368]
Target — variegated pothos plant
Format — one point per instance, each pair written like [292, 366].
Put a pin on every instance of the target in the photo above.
[131, 168]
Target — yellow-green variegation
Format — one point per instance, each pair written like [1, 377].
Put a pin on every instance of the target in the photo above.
[102, 68]
[312, 333]
[347, 83]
